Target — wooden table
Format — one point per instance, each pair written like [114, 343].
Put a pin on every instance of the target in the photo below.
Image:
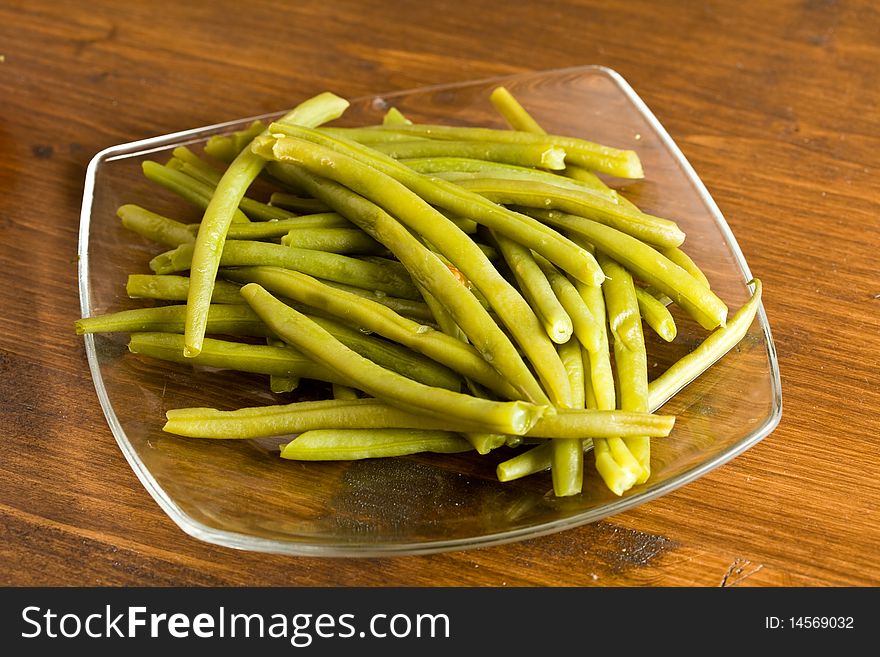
[774, 104]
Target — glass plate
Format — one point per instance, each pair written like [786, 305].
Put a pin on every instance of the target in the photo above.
[241, 494]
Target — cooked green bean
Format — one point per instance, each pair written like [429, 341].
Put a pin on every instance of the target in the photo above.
[344, 392]
[524, 155]
[584, 325]
[299, 331]
[519, 119]
[243, 321]
[221, 320]
[176, 288]
[371, 316]
[453, 198]
[202, 189]
[718, 343]
[514, 113]
[596, 157]
[218, 215]
[390, 355]
[652, 267]
[532, 461]
[567, 470]
[427, 269]
[371, 137]
[460, 168]
[367, 413]
[395, 117]
[238, 356]
[484, 443]
[330, 266]
[684, 261]
[535, 194]
[347, 241]
[226, 147]
[411, 209]
[280, 384]
[615, 463]
[353, 444]
[415, 310]
[630, 359]
[258, 230]
[189, 189]
[297, 203]
[656, 315]
[536, 289]
[154, 226]
[197, 167]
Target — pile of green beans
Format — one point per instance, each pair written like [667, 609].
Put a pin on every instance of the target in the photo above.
[450, 289]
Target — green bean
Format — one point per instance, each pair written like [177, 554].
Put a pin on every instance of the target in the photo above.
[367, 413]
[709, 351]
[258, 230]
[174, 233]
[215, 224]
[431, 274]
[390, 355]
[176, 288]
[344, 392]
[333, 240]
[484, 443]
[370, 137]
[189, 189]
[519, 119]
[284, 419]
[590, 179]
[280, 384]
[415, 310]
[154, 226]
[455, 245]
[656, 315]
[684, 261]
[447, 324]
[536, 288]
[353, 444]
[532, 461]
[514, 113]
[615, 463]
[567, 470]
[226, 147]
[238, 356]
[530, 193]
[241, 320]
[202, 188]
[297, 203]
[695, 298]
[630, 358]
[198, 168]
[524, 155]
[395, 117]
[297, 330]
[453, 198]
[331, 266]
[613, 161]
[374, 317]
[584, 326]
[460, 168]
[222, 319]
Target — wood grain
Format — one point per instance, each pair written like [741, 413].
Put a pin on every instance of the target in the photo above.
[775, 105]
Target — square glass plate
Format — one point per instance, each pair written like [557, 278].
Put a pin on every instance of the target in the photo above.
[241, 494]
